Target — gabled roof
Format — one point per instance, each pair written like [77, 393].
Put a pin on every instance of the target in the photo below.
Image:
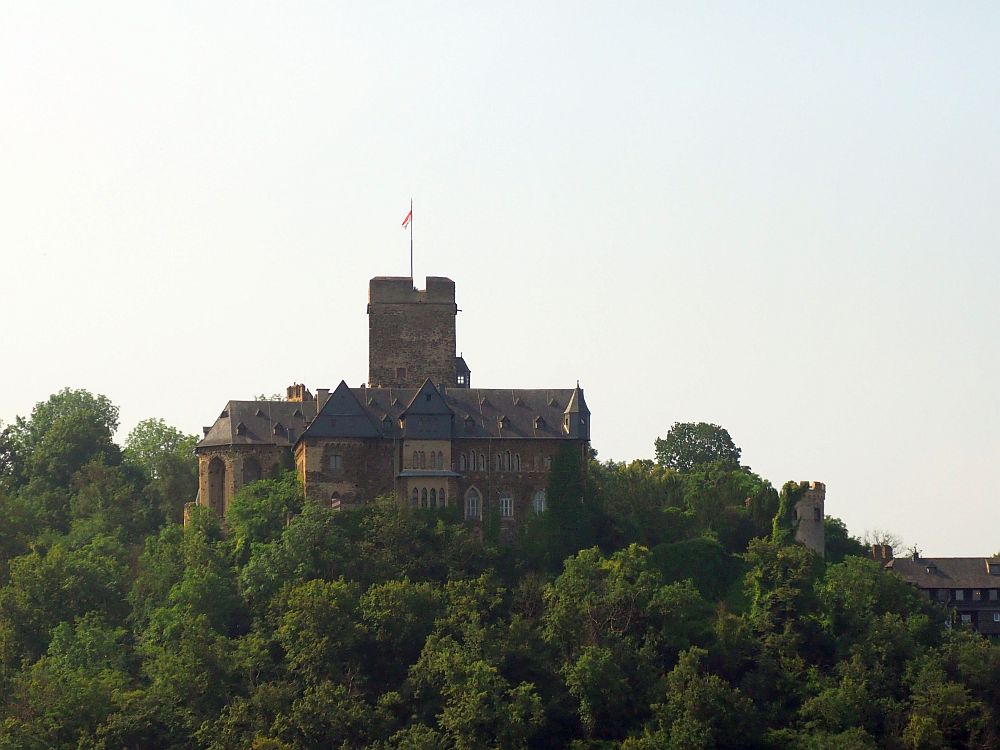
[259, 419]
[530, 412]
[427, 400]
[343, 415]
[947, 572]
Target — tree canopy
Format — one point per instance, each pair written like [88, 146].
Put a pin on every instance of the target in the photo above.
[649, 606]
[689, 444]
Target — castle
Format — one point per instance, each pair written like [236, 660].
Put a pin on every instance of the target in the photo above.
[417, 430]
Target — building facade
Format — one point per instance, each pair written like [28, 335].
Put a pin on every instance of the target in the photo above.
[417, 430]
[969, 586]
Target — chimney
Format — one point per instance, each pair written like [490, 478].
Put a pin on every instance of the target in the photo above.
[322, 394]
[882, 552]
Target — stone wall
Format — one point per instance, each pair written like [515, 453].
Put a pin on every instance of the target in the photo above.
[223, 470]
[352, 471]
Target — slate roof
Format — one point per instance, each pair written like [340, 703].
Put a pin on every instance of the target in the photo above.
[263, 423]
[535, 413]
[947, 572]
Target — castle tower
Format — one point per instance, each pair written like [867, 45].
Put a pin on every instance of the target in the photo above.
[411, 332]
[809, 513]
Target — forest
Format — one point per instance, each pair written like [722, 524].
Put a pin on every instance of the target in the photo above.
[652, 605]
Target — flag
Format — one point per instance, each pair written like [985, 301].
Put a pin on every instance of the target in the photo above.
[406, 221]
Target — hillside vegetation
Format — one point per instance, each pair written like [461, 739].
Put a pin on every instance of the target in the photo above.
[652, 605]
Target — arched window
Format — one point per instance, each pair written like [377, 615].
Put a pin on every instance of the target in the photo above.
[482, 462]
[461, 462]
[415, 498]
[506, 461]
[538, 502]
[440, 460]
[216, 485]
[251, 470]
[499, 462]
[473, 504]
[517, 462]
[506, 504]
[423, 460]
[548, 463]
[434, 498]
[423, 498]
[416, 460]
[442, 498]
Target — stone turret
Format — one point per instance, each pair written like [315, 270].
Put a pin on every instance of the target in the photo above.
[809, 514]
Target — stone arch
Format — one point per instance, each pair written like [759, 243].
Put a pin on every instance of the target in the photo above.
[251, 470]
[217, 485]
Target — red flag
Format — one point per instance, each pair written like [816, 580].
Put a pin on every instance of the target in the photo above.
[406, 221]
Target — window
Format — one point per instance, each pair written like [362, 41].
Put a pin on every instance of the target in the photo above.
[461, 462]
[506, 461]
[993, 595]
[423, 498]
[538, 501]
[967, 618]
[416, 460]
[977, 595]
[472, 504]
[482, 462]
[415, 498]
[440, 459]
[548, 463]
[942, 595]
[996, 617]
[442, 498]
[499, 462]
[817, 516]
[506, 505]
[959, 595]
[423, 460]
[336, 462]
[434, 498]
[517, 462]
[461, 379]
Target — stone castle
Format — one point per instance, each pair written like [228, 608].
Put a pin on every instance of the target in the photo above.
[418, 430]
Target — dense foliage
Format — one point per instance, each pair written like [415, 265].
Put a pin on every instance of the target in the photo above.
[647, 608]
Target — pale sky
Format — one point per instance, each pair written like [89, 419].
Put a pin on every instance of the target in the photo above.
[778, 217]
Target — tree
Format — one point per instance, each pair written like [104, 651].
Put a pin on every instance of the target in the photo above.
[688, 444]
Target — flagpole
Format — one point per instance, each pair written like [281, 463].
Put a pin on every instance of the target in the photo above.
[411, 239]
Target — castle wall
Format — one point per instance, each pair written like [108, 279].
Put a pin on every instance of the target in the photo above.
[351, 470]
[224, 470]
[411, 332]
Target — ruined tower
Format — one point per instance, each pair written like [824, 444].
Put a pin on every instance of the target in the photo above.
[809, 510]
[411, 333]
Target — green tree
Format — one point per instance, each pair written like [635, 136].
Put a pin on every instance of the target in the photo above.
[688, 444]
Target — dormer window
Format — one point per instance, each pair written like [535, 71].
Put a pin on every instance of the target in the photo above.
[539, 423]
[297, 413]
[225, 413]
[241, 429]
[279, 428]
[260, 413]
[460, 379]
[504, 422]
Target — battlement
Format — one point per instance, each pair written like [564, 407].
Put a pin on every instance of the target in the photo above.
[815, 487]
[298, 392]
[399, 290]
